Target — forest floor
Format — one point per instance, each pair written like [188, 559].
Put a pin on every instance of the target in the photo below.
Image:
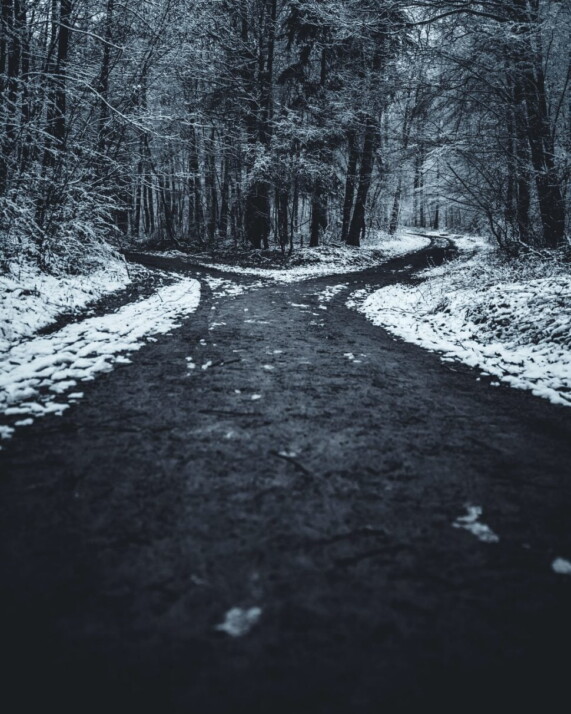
[278, 507]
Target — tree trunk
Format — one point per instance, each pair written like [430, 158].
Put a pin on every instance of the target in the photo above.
[540, 133]
[367, 162]
[224, 194]
[257, 219]
[56, 113]
[103, 84]
[318, 216]
[282, 202]
[352, 159]
[395, 213]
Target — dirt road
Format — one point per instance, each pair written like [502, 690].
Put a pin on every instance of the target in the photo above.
[305, 463]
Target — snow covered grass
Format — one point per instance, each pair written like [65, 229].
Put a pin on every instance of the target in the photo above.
[33, 372]
[31, 300]
[511, 319]
[317, 262]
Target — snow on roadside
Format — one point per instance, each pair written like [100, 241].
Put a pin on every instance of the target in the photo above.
[510, 320]
[33, 372]
[30, 300]
[326, 260]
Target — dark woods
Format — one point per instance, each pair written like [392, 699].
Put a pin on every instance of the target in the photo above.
[281, 122]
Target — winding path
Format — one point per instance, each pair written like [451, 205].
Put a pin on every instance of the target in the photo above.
[303, 462]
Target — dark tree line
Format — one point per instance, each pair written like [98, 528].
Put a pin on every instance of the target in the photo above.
[281, 122]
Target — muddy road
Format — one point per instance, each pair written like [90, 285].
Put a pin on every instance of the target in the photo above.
[279, 452]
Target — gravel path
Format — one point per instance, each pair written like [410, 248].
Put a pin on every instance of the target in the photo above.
[304, 463]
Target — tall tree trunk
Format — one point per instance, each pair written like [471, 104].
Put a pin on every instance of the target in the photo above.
[196, 218]
[224, 198]
[395, 213]
[540, 132]
[10, 65]
[257, 219]
[522, 187]
[257, 211]
[103, 84]
[350, 180]
[365, 175]
[210, 187]
[282, 217]
[56, 113]
[318, 215]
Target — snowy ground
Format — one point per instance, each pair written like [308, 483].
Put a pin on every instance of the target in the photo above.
[41, 375]
[325, 260]
[510, 320]
[30, 300]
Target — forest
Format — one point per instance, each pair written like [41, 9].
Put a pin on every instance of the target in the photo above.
[285, 356]
[280, 123]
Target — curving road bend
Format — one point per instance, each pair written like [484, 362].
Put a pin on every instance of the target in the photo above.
[389, 522]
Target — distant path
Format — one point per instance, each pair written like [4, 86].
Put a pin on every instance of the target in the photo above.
[169, 495]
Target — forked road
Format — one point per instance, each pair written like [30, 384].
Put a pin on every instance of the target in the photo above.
[319, 487]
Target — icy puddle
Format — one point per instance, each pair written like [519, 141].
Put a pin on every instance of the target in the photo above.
[34, 372]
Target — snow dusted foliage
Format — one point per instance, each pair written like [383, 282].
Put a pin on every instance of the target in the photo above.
[44, 274]
[512, 319]
[37, 374]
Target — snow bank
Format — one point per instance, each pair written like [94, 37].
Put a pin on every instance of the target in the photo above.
[30, 300]
[33, 372]
[325, 260]
[513, 321]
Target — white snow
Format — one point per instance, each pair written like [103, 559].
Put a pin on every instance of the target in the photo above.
[227, 288]
[30, 300]
[561, 566]
[329, 259]
[470, 522]
[238, 622]
[32, 369]
[510, 320]
[24, 422]
[6, 432]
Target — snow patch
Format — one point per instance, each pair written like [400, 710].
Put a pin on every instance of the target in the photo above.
[470, 522]
[330, 292]
[561, 566]
[224, 288]
[238, 622]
